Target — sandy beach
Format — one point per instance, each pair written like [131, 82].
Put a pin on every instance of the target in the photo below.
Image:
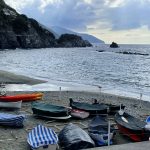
[11, 139]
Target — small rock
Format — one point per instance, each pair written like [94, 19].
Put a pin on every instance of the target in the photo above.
[114, 45]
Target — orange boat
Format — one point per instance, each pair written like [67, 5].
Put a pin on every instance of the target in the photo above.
[23, 97]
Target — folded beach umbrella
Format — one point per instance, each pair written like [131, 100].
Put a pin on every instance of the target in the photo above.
[11, 120]
[41, 136]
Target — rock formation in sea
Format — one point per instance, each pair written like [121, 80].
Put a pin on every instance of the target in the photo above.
[114, 45]
[19, 31]
[71, 40]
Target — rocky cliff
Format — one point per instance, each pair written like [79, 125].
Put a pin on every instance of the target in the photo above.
[19, 31]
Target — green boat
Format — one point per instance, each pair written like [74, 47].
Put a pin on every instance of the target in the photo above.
[50, 111]
[91, 108]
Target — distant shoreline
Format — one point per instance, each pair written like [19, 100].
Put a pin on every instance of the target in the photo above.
[12, 78]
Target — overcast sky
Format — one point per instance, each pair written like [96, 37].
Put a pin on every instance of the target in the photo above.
[123, 21]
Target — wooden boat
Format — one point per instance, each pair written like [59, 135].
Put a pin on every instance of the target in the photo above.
[98, 130]
[49, 110]
[76, 113]
[11, 105]
[132, 127]
[11, 120]
[23, 97]
[42, 138]
[91, 108]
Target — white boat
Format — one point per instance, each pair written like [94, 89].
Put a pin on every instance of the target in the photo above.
[11, 104]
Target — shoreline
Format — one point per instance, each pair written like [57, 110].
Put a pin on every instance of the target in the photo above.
[16, 82]
[12, 78]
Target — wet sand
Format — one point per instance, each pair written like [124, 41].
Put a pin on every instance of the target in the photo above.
[11, 78]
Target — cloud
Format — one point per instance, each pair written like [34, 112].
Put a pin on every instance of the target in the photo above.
[19, 4]
[114, 3]
[45, 3]
[83, 14]
[133, 14]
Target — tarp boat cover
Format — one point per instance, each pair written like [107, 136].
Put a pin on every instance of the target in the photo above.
[98, 130]
[11, 120]
[42, 136]
[91, 108]
[72, 137]
[43, 109]
[130, 122]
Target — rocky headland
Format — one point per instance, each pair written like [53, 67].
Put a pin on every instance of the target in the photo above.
[71, 40]
[19, 31]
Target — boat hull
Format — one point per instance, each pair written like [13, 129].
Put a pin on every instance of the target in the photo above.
[132, 127]
[79, 114]
[136, 136]
[23, 97]
[54, 118]
[11, 105]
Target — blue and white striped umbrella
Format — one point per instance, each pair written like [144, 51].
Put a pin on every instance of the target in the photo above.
[11, 120]
[41, 136]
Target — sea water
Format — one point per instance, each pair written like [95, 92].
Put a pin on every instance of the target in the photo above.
[84, 68]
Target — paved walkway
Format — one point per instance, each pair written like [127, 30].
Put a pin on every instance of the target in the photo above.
[130, 146]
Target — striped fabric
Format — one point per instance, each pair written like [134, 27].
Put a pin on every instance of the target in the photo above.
[41, 136]
[11, 120]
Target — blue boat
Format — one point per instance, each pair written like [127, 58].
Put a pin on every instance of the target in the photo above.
[11, 120]
[98, 130]
[42, 136]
